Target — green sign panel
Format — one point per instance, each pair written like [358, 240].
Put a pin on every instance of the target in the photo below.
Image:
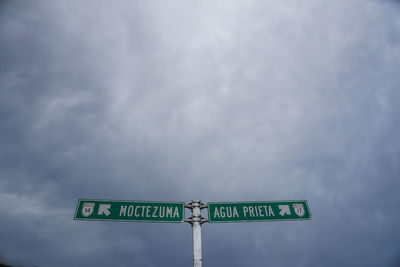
[130, 211]
[220, 212]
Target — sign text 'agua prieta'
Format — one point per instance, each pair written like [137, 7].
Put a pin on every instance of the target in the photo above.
[258, 211]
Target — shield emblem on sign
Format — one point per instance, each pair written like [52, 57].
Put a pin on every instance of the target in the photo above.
[299, 209]
[87, 209]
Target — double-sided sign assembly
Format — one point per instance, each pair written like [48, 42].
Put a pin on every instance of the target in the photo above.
[174, 212]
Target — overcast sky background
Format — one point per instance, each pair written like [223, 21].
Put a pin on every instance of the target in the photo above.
[211, 100]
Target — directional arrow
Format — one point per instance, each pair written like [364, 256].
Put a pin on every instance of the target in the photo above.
[104, 209]
[284, 210]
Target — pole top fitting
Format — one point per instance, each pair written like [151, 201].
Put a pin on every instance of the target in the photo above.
[200, 219]
[196, 204]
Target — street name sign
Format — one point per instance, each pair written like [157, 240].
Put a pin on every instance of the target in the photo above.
[132, 211]
[225, 212]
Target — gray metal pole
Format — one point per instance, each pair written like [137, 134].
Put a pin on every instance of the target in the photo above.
[196, 221]
[196, 226]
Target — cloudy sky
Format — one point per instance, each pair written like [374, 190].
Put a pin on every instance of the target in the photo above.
[211, 100]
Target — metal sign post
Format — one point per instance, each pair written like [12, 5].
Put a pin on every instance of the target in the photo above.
[174, 212]
[196, 221]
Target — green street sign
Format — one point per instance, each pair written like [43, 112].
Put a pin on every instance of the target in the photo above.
[130, 211]
[225, 212]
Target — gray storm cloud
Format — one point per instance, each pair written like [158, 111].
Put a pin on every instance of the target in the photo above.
[200, 100]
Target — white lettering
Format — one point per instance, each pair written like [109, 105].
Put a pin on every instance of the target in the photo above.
[154, 213]
[176, 212]
[216, 214]
[162, 212]
[271, 211]
[245, 210]
[229, 212]
[122, 211]
[256, 210]
[136, 211]
[251, 211]
[169, 212]
[260, 211]
[266, 211]
[130, 211]
[148, 211]
[235, 212]
[222, 212]
[143, 209]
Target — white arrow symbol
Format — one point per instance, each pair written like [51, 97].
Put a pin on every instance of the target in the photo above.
[104, 209]
[284, 210]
